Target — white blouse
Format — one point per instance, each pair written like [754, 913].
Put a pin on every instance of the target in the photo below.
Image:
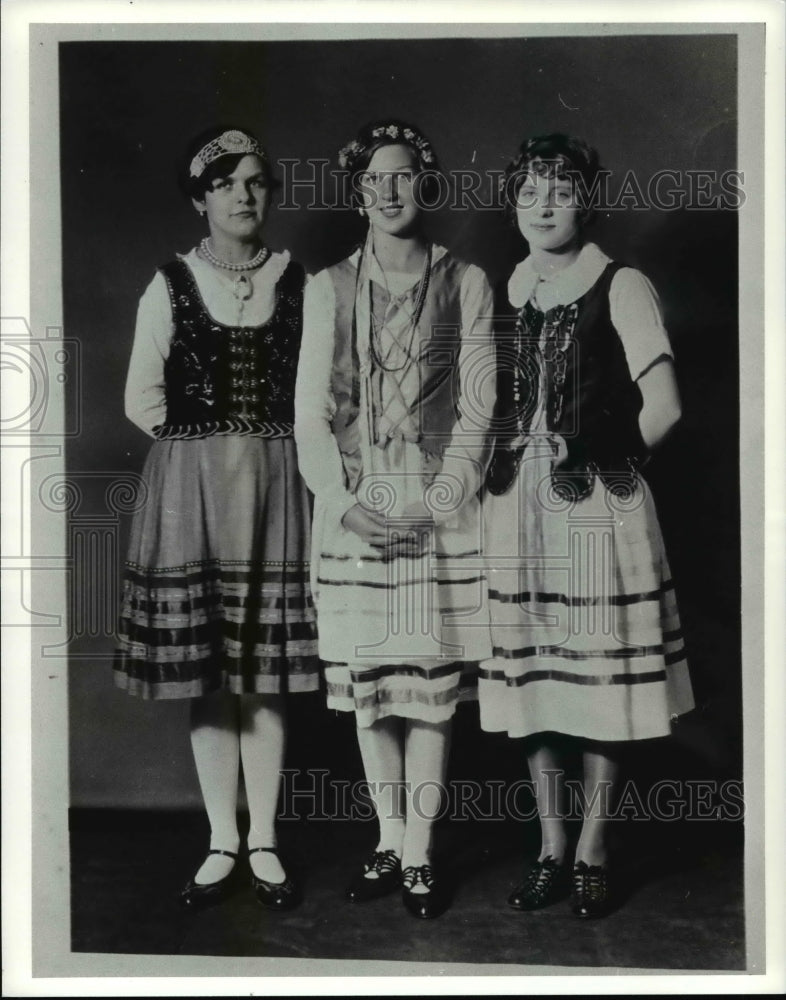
[145, 400]
[319, 457]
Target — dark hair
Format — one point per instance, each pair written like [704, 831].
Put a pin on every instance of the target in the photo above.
[555, 155]
[222, 166]
[356, 156]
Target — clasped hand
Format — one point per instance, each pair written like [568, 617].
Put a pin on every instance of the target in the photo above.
[391, 535]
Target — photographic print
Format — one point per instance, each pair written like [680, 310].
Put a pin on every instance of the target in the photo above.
[394, 479]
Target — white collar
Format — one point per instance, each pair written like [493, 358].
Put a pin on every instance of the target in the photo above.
[566, 286]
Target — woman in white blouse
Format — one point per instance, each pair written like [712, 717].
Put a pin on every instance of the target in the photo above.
[393, 401]
[216, 603]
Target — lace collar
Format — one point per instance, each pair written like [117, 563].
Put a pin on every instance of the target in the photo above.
[565, 286]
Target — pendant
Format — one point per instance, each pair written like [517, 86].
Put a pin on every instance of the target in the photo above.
[242, 288]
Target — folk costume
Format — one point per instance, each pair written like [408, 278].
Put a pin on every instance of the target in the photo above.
[216, 591]
[393, 398]
[585, 627]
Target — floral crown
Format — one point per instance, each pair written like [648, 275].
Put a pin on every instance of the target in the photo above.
[349, 154]
[231, 141]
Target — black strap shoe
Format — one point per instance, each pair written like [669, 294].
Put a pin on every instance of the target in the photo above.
[284, 895]
[591, 896]
[387, 866]
[196, 895]
[544, 884]
[425, 905]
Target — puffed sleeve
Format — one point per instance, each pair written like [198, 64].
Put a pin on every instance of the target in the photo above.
[638, 319]
[318, 454]
[145, 400]
[467, 455]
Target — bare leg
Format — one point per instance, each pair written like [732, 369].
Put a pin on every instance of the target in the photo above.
[383, 762]
[215, 743]
[600, 774]
[426, 756]
[548, 778]
[262, 744]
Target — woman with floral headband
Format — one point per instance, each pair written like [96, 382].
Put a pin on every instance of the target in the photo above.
[216, 606]
[588, 651]
[392, 412]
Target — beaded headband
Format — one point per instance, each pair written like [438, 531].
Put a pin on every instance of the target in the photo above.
[560, 163]
[557, 166]
[232, 141]
[349, 155]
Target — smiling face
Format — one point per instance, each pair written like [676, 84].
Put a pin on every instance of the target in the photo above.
[547, 212]
[387, 188]
[237, 204]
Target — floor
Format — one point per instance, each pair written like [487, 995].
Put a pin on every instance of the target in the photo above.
[681, 906]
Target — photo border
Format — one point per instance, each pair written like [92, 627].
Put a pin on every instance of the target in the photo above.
[40, 584]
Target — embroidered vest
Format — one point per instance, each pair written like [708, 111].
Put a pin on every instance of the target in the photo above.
[434, 408]
[590, 399]
[223, 379]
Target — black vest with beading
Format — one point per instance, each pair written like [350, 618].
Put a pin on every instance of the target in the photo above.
[591, 401]
[222, 379]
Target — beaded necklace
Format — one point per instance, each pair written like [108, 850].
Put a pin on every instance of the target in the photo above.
[242, 288]
[257, 260]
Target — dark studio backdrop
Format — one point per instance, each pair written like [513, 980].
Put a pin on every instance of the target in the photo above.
[647, 103]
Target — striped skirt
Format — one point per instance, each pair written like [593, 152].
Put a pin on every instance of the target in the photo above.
[400, 636]
[585, 629]
[216, 592]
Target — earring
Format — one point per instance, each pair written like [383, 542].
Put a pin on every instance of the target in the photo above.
[361, 211]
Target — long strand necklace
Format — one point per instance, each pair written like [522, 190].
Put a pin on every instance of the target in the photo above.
[375, 345]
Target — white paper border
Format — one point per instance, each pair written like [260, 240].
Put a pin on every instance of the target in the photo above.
[349, 20]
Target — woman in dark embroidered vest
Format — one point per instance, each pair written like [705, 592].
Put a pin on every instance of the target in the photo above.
[588, 651]
[216, 604]
[392, 441]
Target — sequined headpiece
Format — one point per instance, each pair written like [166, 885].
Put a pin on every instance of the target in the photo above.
[390, 134]
[233, 141]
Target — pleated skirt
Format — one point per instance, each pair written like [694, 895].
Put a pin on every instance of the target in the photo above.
[216, 591]
[584, 621]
